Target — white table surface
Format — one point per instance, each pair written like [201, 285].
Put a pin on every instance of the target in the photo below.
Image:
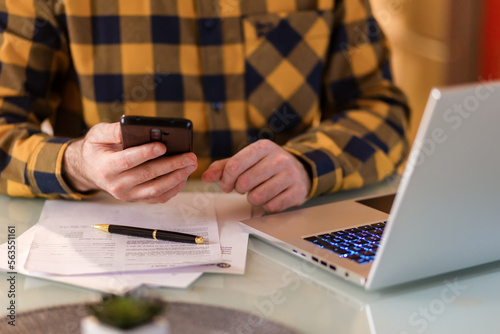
[286, 289]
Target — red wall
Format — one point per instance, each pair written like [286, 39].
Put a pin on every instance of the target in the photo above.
[490, 53]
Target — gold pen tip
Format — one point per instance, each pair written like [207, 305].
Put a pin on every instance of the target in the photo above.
[101, 227]
[199, 240]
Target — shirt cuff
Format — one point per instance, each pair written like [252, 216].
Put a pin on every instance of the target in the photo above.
[44, 172]
[326, 175]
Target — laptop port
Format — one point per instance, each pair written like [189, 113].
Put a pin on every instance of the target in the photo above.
[315, 259]
[333, 268]
[323, 263]
[346, 274]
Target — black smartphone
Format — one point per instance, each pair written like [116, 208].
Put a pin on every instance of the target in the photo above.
[175, 133]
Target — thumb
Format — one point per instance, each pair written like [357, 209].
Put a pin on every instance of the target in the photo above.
[105, 133]
[214, 172]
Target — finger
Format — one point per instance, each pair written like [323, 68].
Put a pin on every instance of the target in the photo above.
[269, 189]
[214, 172]
[166, 196]
[242, 161]
[261, 172]
[158, 188]
[283, 201]
[105, 133]
[121, 185]
[135, 156]
[162, 166]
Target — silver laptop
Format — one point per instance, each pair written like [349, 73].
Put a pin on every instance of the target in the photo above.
[444, 217]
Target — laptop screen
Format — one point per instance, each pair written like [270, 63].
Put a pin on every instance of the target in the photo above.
[381, 203]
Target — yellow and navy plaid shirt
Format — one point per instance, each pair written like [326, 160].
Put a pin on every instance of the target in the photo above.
[311, 75]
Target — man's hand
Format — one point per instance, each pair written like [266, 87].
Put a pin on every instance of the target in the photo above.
[272, 177]
[135, 174]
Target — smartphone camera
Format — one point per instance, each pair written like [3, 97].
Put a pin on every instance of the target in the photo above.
[155, 134]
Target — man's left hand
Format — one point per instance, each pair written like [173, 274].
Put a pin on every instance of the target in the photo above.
[272, 177]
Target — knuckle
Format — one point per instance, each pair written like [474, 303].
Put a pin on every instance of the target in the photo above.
[281, 161]
[113, 189]
[284, 156]
[292, 173]
[255, 148]
[263, 143]
[169, 165]
[232, 166]
[300, 202]
[165, 198]
[186, 173]
[162, 199]
[117, 191]
[155, 192]
[156, 200]
[256, 197]
[171, 193]
[226, 187]
[181, 176]
[121, 198]
[123, 162]
[146, 153]
[243, 184]
[105, 174]
[251, 199]
[181, 185]
[297, 201]
[147, 173]
[273, 207]
[176, 189]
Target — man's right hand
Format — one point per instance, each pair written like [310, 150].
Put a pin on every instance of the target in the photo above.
[97, 162]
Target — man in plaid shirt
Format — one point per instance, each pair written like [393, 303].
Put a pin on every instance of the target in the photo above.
[289, 99]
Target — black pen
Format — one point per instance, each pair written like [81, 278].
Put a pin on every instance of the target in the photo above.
[150, 233]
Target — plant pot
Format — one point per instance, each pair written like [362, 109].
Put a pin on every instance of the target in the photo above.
[91, 325]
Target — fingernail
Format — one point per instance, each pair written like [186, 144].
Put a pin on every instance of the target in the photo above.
[187, 162]
[191, 169]
[158, 150]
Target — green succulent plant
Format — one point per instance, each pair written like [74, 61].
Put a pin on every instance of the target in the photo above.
[127, 311]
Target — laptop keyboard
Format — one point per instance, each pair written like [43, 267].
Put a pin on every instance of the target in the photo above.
[357, 244]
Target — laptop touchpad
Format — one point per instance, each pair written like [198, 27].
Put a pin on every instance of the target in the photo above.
[381, 203]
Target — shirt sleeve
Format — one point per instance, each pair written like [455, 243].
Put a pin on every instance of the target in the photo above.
[33, 65]
[362, 135]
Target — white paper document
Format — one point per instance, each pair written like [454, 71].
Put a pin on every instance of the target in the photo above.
[230, 209]
[117, 283]
[66, 244]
